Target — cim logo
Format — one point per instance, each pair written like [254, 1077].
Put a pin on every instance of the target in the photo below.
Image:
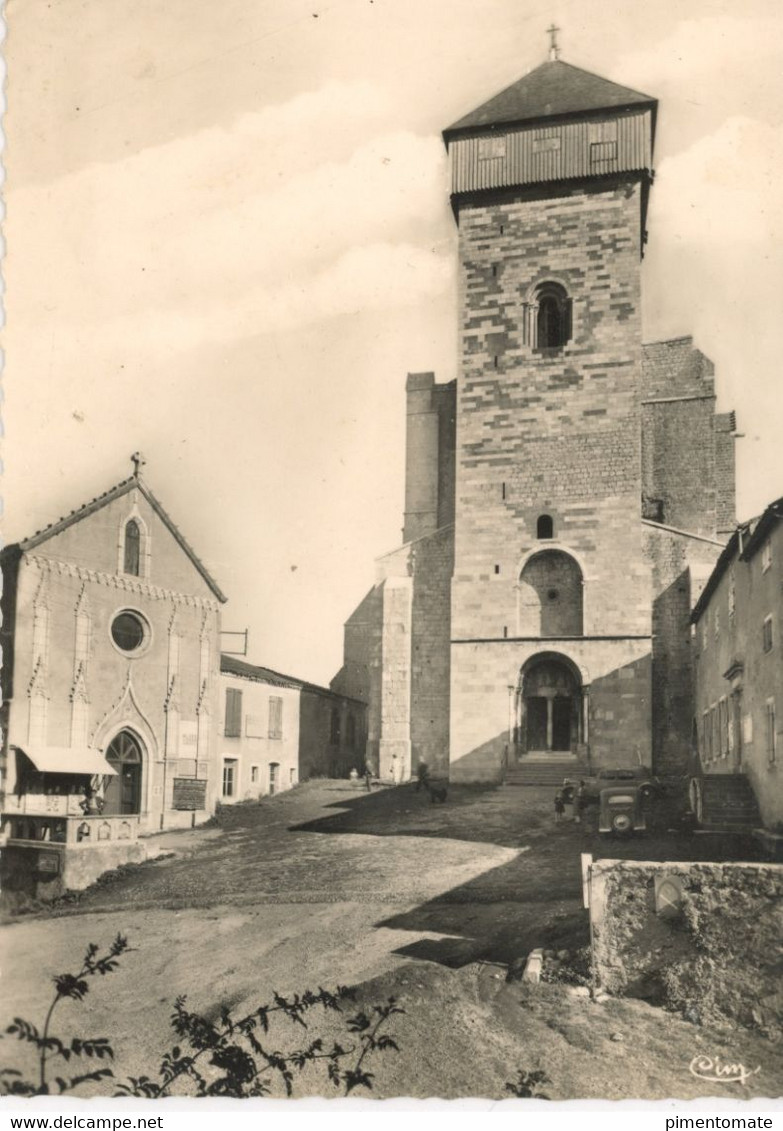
[712, 1068]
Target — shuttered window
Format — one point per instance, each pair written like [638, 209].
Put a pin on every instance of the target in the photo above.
[723, 725]
[766, 634]
[771, 736]
[275, 716]
[233, 713]
[490, 148]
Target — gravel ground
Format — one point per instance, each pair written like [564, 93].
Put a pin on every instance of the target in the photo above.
[395, 896]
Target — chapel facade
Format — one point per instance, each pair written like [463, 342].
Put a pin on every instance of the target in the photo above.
[568, 494]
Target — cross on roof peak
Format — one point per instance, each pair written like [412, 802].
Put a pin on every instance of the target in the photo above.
[138, 461]
[554, 50]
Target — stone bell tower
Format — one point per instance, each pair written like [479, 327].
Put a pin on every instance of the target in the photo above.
[550, 600]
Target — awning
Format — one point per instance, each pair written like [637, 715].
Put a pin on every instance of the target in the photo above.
[68, 760]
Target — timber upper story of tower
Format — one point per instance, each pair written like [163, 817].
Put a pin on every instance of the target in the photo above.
[557, 123]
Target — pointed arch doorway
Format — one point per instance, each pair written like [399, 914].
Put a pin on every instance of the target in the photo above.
[550, 712]
[123, 792]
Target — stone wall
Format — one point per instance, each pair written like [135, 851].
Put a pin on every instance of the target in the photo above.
[326, 750]
[433, 562]
[687, 450]
[484, 678]
[679, 565]
[718, 954]
[429, 455]
[23, 878]
[550, 431]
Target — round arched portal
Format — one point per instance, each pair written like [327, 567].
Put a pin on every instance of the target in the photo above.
[123, 792]
[549, 706]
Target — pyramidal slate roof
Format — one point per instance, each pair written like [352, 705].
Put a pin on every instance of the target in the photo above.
[555, 89]
[116, 492]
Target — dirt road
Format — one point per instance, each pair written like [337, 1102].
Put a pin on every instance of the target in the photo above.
[388, 893]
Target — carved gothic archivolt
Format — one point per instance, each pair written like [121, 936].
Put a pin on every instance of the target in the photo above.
[126, 711]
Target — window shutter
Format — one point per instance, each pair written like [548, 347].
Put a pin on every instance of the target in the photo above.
[275, 717]
[233, 713]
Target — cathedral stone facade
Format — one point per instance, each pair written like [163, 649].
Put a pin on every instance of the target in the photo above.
[568, 494]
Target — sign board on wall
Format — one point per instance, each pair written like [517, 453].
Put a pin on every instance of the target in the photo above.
[189, 793]
[188, 738]
[49, 863]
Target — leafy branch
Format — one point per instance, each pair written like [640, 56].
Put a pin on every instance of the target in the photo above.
[234, 1057]
[48, 1046]
[230, 1057]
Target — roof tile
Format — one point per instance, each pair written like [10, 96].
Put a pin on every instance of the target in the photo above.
[552, 90]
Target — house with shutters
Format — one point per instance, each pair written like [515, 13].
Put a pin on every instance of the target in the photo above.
[276, 730]
[738, 718]
[111, 647]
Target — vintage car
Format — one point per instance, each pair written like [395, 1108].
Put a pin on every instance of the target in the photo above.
[637, 776]
[620, 810]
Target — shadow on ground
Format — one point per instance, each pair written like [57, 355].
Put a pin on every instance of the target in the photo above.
[534, 899]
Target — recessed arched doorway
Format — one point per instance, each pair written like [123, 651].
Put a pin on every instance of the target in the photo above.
[123, 791]
[549, 716]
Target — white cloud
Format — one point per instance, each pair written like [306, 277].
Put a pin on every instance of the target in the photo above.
[219, 233]
[373, 277]
[724, 192]
[697, 52]
[713, 269]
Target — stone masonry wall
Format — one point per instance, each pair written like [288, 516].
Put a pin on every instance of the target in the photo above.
[687, 450]
[677, 562]
[433, 562]
[552, 432]
[547, 431]
[360, 675]
[394, 748]
[725, 475]
[484, 678]
[719, 952]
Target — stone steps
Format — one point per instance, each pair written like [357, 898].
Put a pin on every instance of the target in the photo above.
[544, 773]
[728, 802]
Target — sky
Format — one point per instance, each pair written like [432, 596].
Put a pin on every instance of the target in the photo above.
[228, 239]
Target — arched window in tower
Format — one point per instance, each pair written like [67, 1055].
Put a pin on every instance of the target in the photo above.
[549, 329]
[550, 317]
[132, 547]
[545, 527]
[550, 595]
